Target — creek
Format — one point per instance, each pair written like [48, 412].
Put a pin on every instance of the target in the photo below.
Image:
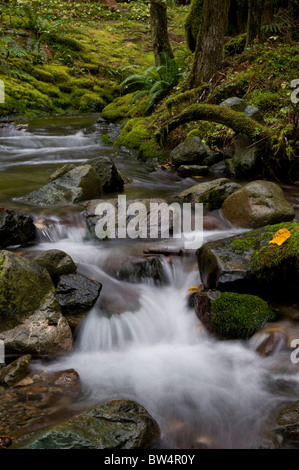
[202, 391]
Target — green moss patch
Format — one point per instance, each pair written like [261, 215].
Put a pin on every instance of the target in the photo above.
[272, 263]
[238, 316]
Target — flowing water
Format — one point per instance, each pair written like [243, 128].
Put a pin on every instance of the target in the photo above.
[151, 347]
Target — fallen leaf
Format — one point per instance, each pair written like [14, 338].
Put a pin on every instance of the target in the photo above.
[281, 236]
[194, 288]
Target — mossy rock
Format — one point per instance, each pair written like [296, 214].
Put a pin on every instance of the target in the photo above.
[91, 101]
[59, 73]
[56, 262]
[238, 316]
[249, 263]
[119, 424]
[133, 133]
[24, 286]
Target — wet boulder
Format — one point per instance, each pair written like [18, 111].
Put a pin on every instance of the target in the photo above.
[77, 185]
[287, 422]
[257, 204]
[211, 193]
[61, 171]
[30, 317]
[140, 269]
[200, 300]
[92, 218]
[118, 424]
[56, 262]
[15, 228]
[111, 179]
[190, 152]
[248, 262]
[15, 371]
[76, 295]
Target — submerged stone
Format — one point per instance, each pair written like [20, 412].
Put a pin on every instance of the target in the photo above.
[118, 424]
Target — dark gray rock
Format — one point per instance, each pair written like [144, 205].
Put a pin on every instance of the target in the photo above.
[15, 229]
[138, 269]
[110, 178]
[235, 103]
[190, 152]
[77, 294]
[246, 157]
[218, 168]
[248, 263]
[254, 113]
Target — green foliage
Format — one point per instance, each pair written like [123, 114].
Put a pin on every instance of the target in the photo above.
[238, 316]
[155, 82]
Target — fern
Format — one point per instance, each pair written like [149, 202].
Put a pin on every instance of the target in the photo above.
[154, 81]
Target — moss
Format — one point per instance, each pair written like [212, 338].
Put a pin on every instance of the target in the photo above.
[123, 107]
[91, 101]
[274, 263]
[59, 73]
[235, 45]
[133, 133]
[86, 83]
[22, 98]
[267, 101]
[41, 75]
[238, 316]
[193, 23]
[245, 244]
[106, 139]
[2, 261]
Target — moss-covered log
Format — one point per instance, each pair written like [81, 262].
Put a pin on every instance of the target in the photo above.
[236, 121]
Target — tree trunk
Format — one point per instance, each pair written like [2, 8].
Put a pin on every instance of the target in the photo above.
[254, 23]
[160, 39]
[209, 48]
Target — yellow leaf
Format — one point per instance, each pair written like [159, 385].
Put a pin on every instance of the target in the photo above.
[281, 236]
[194, 288]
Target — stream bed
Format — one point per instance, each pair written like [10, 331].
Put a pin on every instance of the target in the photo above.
[203, 392]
